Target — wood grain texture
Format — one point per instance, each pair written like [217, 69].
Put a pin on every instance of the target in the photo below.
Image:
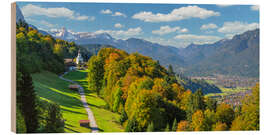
[13, 67]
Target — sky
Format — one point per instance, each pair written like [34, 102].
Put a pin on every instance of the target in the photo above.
[176, 25]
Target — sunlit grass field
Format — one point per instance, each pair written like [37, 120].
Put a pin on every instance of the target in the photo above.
[49, 87]
[107, 121]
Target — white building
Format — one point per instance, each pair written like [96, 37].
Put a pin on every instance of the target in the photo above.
[79, 58]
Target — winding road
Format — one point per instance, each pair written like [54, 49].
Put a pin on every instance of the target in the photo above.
[91, 118]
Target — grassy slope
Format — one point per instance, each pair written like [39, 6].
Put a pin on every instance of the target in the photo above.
[106, 120]
[50, 87]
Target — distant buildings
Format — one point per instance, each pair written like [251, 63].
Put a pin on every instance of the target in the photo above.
[233, 99]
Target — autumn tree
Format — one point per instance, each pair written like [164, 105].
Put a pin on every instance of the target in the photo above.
[95, 74]
[210, 104]
[161, 86]
[249, 118]
[147, 109]
[195, 102]
[117, 99]
[209, 119]
[225, 114]
[198, 121]
[183, 126]
[185, 100]
[219, 126]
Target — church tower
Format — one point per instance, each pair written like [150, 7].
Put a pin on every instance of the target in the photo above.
[79, 58]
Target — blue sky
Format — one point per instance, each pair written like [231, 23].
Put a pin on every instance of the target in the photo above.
[168, 24]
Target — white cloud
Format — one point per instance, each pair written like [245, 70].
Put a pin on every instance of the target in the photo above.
[184, 30]
[184, 40]
[237, 27]
[34, 10]
[163, 41]
[41, 23]
[122, 33]
[106, 11]
[176, 14]
[224, 5]
[167, 29]
[92, 18]
[119, 14]
[197, 39]
[118, 25]
[47, 24]
[255, 8]
[208, 26]
[229, 36]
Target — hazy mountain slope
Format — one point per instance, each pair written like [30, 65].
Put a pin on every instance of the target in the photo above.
[165, 54]
[195, 53]
[238, 56]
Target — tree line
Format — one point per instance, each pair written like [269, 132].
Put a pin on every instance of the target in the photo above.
[149, 98]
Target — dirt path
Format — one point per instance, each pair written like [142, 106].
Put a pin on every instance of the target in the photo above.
[93, 125]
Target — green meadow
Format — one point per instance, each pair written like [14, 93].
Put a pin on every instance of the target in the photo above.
[49, 87]
[107, 121]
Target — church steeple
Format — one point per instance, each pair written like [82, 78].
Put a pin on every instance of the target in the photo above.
[79, 58]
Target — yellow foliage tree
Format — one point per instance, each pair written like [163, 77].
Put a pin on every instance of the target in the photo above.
[198, 121]
[183, 126]
[219, 126]
[249, 119]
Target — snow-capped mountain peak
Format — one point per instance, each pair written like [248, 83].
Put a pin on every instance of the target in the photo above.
[69, 35]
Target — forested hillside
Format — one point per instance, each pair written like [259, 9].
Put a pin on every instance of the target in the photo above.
[35, 53]
[149, 97]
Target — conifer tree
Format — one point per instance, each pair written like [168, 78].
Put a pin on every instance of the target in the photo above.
[167, 129]
[150, 127]
[174, 126]
[54, 120]
[132, 125]
[170, 70]
[123, 116]
[27, 100]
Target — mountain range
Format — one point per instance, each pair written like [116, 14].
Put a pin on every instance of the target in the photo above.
[238, 56]
[165, 54]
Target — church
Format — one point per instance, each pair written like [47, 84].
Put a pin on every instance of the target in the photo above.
[79, 58]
